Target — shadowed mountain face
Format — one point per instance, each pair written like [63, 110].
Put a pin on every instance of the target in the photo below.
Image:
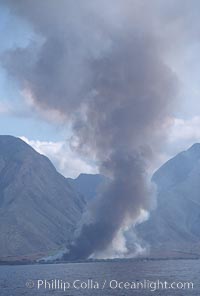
[39, 209]
[176, 220]
[88, 184]
[175, 223]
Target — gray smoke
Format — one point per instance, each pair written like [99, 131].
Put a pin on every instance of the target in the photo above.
[101, 64]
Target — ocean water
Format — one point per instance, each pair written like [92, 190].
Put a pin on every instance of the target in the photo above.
[159, 277]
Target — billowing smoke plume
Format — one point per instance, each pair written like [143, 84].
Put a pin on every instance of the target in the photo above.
[102, 65]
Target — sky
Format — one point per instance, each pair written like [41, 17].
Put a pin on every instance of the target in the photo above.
[19, 118]
[49, 134]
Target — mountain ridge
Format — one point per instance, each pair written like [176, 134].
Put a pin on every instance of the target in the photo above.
[175, 222]
[39, 209]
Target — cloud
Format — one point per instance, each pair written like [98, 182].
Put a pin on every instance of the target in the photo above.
[67, 162]
[184, 133]
[186, 130]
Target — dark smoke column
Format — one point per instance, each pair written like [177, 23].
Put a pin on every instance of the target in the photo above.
[102, 66]
[123, 126]
[123, 198]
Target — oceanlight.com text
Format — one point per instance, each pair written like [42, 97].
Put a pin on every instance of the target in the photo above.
[114, 284]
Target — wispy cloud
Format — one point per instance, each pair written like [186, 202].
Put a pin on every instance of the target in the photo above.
[184, 133]
[65, 160]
